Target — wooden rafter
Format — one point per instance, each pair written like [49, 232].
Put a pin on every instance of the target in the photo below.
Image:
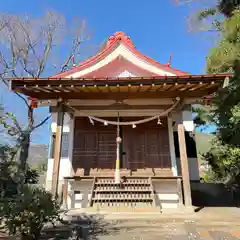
[194, 86]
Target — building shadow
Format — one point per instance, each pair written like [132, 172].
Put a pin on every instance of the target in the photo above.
[214, 195]
[83, 226]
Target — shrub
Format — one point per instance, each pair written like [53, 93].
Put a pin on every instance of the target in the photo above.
[24, 208]
[9, 177]
[26, 214]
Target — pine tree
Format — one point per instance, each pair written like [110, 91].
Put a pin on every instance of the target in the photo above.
[224, 157]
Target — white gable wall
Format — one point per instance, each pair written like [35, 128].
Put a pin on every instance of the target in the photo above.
[122, 51]
[126, 74]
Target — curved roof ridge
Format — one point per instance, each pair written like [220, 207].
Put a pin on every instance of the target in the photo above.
[113, 41]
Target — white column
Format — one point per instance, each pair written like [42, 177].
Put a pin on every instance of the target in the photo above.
[70, 199]
[187, 121]
[66, 162]
[71, 139]
[172, 147]
[48, 184]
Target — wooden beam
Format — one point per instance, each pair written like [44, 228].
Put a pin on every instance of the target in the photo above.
[184, 166]
[114, 81]
[117, 95]
[119, 107]
[57, 149]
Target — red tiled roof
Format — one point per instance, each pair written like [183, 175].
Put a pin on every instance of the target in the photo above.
[113, 42]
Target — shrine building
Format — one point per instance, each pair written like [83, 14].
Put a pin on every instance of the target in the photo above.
[122, 132]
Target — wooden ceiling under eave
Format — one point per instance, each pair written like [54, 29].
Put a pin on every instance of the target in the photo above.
[122, 88]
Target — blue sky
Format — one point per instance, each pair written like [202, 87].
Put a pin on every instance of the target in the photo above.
[157, 28]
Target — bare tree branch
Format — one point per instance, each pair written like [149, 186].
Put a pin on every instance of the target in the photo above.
[80, 35]
[31, 43]
[41, 123]
[19, 95]
[26, 48]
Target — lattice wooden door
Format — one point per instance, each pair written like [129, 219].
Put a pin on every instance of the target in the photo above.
[146, 147]
[94, 146]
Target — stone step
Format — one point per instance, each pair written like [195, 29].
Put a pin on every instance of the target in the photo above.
[123, 209]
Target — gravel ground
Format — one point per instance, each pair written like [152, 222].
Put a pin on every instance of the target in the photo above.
[208, 224]
[171, 229]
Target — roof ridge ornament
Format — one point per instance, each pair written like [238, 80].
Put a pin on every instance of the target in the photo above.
[120, 36]
[170, 60]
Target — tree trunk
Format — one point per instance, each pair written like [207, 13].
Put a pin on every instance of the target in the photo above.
[25, 144]
[24, 152]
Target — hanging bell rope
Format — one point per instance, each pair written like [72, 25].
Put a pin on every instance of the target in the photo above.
[167, 111]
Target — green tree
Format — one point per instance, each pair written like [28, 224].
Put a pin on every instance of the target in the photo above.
[225, 110]
[224, 157]
[224, 7]
[225, 57]
[216, 11]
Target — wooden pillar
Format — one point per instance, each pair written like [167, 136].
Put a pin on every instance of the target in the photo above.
[65, 194]
[57, 149]
[184, 166]
[172, 147]
[118, 142]
[117, 169]
[180, 196]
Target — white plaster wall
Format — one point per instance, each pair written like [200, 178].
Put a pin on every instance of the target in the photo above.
[64, 171]
[78, 201]
[66, 123]
[166, 194]
[65, 163]
[186, 118]
[126, 73]
[170, 200]
[83, 195]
